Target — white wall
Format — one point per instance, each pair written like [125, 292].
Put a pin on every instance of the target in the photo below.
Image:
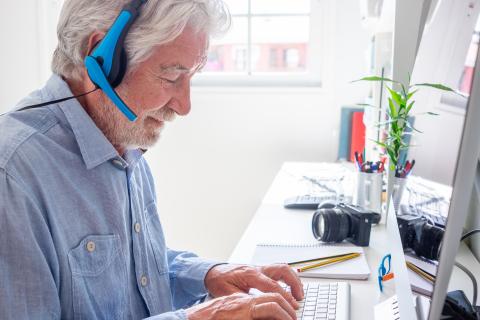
[20, 70]
[213, 167]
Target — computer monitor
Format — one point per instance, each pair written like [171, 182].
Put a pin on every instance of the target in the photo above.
[463, 183]
[463, 164]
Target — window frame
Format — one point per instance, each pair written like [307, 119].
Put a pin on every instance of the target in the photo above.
[321, 12]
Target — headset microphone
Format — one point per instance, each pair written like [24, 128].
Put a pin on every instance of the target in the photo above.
[107, 64]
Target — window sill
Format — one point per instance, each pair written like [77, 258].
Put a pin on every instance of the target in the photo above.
[251, 89]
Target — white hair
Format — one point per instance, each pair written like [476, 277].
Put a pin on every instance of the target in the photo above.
[159, 22]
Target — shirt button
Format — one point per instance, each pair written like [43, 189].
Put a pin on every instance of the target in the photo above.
[143, 281]
[117, 163]
[137, 227]
[90, 246]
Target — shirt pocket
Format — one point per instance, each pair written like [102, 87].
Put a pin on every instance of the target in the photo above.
[157, 240]
[98, 278]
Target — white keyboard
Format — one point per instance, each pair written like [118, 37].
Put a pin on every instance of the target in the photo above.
[324, 301]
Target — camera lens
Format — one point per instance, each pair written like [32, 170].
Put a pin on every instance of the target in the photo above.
[428, 244]
[330, 225]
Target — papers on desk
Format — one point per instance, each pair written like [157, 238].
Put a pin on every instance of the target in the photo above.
[356, 268]
[419, 284]
[388, 309]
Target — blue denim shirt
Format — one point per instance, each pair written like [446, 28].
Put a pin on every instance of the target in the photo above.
[80, 237]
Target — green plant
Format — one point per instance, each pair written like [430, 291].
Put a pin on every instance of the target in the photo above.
[400, 104]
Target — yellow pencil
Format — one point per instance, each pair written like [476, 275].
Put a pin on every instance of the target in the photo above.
[425, 275]
[330, 261]
[319, 259]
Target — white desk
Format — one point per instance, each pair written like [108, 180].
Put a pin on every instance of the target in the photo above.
[273, 223]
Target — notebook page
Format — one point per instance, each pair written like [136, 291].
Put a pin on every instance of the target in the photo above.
[356, 268]
[419, 284]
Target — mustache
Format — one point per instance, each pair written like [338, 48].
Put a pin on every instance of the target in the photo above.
[166, 114]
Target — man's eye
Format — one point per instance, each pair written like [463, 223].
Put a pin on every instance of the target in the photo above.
[172, 81]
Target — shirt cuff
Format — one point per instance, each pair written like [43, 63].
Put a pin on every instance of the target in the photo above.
[193, 278]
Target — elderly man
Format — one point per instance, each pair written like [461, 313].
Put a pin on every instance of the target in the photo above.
[80, 237]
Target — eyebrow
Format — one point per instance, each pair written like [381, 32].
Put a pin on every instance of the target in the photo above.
[179, 67]
[174, 67]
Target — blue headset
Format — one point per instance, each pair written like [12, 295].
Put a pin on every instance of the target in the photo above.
[107, 64]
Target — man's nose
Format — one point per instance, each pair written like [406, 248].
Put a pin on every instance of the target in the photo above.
[182, 104]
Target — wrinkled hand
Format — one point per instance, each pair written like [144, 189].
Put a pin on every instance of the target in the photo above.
[241, 306]
[226, 279]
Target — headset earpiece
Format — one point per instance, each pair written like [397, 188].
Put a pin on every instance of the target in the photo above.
[107, 64]
[121, 71]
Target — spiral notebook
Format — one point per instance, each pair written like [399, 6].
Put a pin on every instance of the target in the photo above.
[356, 268]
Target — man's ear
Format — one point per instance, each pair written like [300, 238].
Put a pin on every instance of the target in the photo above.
[94, 40]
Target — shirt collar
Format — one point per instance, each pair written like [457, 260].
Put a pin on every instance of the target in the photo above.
[94, 146]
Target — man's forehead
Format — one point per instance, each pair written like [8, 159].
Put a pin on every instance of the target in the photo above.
[181, 54]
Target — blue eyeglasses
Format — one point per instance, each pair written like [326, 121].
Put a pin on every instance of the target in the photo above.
[384, 273]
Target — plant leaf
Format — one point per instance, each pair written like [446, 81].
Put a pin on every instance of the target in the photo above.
[434, 85]
[396, 97]
[381, 144]
[427, 113]
[410, 105]
[404, 91]
[441, 87]
[412, 127]
[411, 94]
[380, 124]
[392, 156]
[374, 78]
[393, 111]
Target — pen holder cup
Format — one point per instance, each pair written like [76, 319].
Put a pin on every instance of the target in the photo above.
[368, 193]
[397, 191]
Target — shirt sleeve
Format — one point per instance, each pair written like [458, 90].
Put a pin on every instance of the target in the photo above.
[187, 277]
[175, 315]
[29, 268]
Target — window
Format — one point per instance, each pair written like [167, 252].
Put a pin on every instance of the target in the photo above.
[270, 42]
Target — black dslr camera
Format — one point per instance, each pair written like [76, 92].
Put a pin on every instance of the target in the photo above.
[338, 222]
[417, 234]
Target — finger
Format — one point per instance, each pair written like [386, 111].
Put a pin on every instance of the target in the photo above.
[286, 274]
[277, 299]
[266, 284]
[270, 310]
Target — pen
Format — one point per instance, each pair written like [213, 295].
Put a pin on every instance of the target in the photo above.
[381, 167]
[319, 259]
[357, 160]
[411, 167]
[360, 158]
[407, 166]
[327, 262]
